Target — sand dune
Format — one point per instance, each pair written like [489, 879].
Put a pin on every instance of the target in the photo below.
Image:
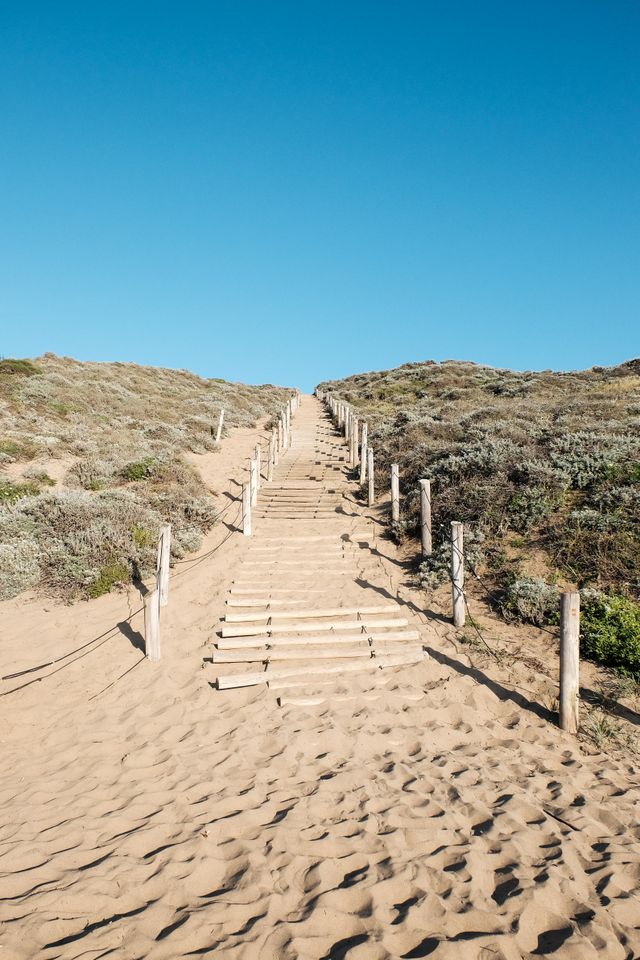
[400, 813]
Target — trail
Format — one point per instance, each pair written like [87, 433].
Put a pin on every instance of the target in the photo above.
[397, 812]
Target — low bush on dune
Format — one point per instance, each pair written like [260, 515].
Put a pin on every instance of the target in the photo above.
[126, 430]
[535, 464]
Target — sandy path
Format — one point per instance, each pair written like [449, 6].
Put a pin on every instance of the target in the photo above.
[408, 812]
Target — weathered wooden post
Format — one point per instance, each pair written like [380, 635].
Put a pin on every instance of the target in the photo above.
[152, 625]
[457, 573]
[569, 660]
[162, 564]
[372, 492]
[258, 459]
[274, 439]
[355, 430]
[253, 481]
[220, 422]
[246, 509]
[395, 492]
[280, 434]
[363, 452]
[425, 517]
[271, 457]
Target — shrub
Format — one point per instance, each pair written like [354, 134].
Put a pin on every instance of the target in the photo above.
[21, 368]
[139, 469]
[111, 575]
[19, 566]
[10, 492]
[532, 600]
[610, 631]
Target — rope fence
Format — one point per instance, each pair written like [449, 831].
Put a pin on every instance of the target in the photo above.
[157, 596]
[361, 454]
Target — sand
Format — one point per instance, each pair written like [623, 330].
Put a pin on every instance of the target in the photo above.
[413, 811]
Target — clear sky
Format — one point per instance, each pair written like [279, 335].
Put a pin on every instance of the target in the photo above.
[291, 191]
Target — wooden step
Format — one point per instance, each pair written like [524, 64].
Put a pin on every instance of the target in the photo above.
[313, 613]
[244, 643]
[283, 673]
[270, 629]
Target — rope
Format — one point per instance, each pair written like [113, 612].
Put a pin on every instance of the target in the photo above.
[113, 631]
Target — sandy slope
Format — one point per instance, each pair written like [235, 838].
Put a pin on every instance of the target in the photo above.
[418, 812]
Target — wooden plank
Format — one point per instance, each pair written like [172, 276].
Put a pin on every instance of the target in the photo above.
[243, 643]
[295, 653]
[317, 612]
[269, 629]
[282, 673]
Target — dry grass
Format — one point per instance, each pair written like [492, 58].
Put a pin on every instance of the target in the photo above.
[124, 430]
[543, 468]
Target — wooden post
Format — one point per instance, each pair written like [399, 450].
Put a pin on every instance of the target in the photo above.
[280, 435]
[457, 573]
[274, 438]
[258, 459]
[162, 566]
[354, 441]
[372, 494]
[246, 509]
[152, 625]
[569, 660]
[425, 517]
[220, 422]
[395, 492]
[253, 482]
[272, 454]
[363, 452]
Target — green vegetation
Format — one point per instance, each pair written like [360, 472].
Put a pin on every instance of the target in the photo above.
[543, 469]
[126, 431]
[110, 576]
[610, 632]
[10, 492]
[20, 368]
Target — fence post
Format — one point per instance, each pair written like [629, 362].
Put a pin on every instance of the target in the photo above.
[271, 456]
[425, 517]
[354, 441]
[569, 660]
[246, 509]
[162, 565]
[258, 459]
[395, 492]
[280, 434]
[363, 452]
[457, 573]
[372, 493]
[220, 422]
[152, 625]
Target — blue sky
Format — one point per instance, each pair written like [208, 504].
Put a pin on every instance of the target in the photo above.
[292, 191]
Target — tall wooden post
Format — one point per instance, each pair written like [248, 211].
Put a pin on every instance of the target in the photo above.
[395, 492]
[253, 481]
[274, 440]
[363, 452]
[220, 422]
[152, 625]
[246, 509]
[355, 429]
[425, 517]
[271, 456]
[372, 492]
[258, 459]
[457, 573]
[162, 565]
[569, 660]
